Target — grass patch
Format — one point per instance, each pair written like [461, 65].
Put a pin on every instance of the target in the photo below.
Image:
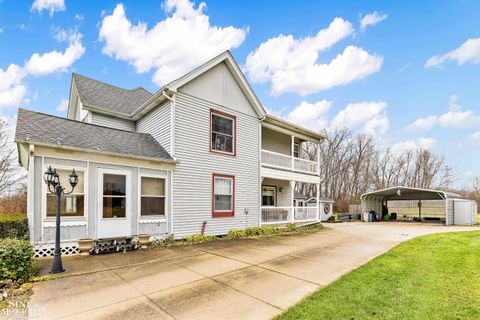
[430, 277]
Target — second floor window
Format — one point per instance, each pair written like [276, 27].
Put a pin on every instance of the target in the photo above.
[222, 132]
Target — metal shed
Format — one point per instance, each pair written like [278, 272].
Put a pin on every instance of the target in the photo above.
[454, 209]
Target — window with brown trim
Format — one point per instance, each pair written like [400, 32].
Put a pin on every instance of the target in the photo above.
[223, 195]
[222, 132]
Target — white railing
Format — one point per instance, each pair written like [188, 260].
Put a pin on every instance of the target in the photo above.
[273, 215]
[305, 165]
[305, 213]
[282, 161]
[276, 214]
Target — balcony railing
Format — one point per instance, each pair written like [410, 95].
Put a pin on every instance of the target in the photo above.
[282, 161]
[277, 215]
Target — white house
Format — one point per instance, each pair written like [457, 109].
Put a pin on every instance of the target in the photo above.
[200, 154]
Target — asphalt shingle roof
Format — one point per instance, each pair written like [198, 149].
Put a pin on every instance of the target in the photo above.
[43, 128]
[97, 94]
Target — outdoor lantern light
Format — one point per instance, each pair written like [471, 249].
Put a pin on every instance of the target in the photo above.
[56, 178]
[48, 176]
[399, 192]
[52, 179]
[73, 179]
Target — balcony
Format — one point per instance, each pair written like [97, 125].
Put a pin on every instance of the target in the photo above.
[285, 162]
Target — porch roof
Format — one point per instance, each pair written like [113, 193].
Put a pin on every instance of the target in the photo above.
[43, 129]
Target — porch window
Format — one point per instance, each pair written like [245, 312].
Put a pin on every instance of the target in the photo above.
[296, 150]
[114, 195]
[222, 132]
[223, 195]
[268, 196]
[72, 205]
[152, 196]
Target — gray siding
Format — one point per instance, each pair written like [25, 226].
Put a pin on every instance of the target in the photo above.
[158, 123]
[276, 141]
[112, 122]
[219, 86]
[67, 233]
[193, 175]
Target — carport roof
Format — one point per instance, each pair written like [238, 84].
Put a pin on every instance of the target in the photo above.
[407, 193]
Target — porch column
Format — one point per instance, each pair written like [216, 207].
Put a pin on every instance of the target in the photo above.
[292, 194]
[292, 149]
[318, 158]
[318, 201]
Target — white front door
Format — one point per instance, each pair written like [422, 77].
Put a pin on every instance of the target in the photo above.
[114, 203]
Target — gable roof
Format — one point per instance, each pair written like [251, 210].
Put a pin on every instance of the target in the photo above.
[100, 95]
[43, 129]
[231, 64]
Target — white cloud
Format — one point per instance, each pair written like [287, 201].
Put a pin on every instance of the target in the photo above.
[311, 115]
[423, 124]
[423, 143]
[50, 5]
[12, 90]
[469, 51]
[63, 106]
[371, 19]
[12, 87]
[475, 136]
[291, 65]
[54, 61]
[78, 17]
[455, 118]
[184, 40]
[372, 115]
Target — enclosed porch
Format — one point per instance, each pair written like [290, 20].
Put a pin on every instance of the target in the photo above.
[283, 202]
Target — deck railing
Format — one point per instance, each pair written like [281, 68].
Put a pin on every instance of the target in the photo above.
[276, 215]
[282, 161]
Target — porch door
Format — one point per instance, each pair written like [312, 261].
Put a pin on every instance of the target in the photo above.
[114, 203]
[269, 196]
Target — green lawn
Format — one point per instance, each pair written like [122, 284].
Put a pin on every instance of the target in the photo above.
[431, 277]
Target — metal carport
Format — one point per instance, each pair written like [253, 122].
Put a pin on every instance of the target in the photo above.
[373, 201]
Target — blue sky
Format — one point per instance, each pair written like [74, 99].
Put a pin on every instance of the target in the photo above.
[410, 78]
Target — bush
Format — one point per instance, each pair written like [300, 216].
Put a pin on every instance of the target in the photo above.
[236, 234]
[198, 238]
[16, 260]
[14, 226]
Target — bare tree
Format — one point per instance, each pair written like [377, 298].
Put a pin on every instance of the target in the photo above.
[10, 171]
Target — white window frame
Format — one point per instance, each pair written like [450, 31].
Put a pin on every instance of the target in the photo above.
[298, 152]
[230, 212]
[67, 188]
[166, 196]
[128, 190]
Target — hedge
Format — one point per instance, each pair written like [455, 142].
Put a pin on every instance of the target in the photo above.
[16, 260]
[14, 226]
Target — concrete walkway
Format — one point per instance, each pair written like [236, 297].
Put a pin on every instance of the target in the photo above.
[246, 279]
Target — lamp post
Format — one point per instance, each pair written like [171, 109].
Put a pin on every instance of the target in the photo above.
[52, 179]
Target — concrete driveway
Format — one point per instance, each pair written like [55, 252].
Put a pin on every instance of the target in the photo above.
[246, 279]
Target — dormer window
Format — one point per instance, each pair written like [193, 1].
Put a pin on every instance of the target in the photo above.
[222, 132]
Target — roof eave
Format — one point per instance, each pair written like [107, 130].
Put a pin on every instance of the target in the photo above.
[293, 127]
[73, 148]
